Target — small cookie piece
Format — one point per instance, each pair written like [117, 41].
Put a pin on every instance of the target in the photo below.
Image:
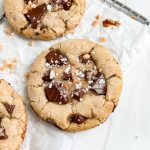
[44, 19]
[75, 85]
[13, 119]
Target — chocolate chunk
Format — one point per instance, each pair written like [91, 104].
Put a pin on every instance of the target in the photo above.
[78, 119]
[9, 108]
[27, 1]
[56, 93]
[84, 58]
[99, 85]
[78, 94]
[67, 75]
[3, 133]
[55, 57]
[34, 15]
[64, 4]
[49, 75]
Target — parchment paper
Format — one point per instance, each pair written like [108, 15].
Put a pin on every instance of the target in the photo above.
[126, 43]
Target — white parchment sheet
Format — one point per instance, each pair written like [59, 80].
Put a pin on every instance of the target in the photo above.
[126, 43]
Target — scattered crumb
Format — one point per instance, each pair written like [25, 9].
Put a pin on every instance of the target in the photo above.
[109, 22]
[94, 23]
[8, 31]
[97, 17]
[30, 43]
[102, 39]
[9, 65]
[1, 47]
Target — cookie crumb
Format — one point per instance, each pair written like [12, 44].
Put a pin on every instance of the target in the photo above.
[30, 43]
[94, 23]
[97, 17]
[102, 39]
[8, 31]
[9, 65]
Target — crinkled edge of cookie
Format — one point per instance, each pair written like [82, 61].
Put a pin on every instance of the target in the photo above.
[105, 62]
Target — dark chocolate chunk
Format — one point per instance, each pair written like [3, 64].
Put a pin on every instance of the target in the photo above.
[67, 76]
[3, 133]
[78, 94]
[34, 15]
[55, 57]
[27, 1]
[9, 108]
[65, 4]
[85, 58]
[78, 119]
[49, 75]
[56, 93]
[99, 85]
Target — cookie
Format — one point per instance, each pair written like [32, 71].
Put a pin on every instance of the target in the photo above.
[13, 119]
[75, 85]
[44, 19]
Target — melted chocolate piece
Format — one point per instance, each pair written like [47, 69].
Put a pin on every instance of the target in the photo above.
[84, 59]
[46, 76]
[27, 1]
[56, 93]
[55, 57]
[9, 108]
[108, 22]
[34, 15]
[99, 85]
[3, 133]
[67, 76]
[65, 4]
[78, 119]
[78, 93]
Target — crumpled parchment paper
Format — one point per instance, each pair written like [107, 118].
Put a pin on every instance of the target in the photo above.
[126, 42]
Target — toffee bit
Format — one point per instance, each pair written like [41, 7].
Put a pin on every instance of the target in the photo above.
[109, 22]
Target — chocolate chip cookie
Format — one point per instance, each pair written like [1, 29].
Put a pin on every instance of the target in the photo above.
[13, 118]
[75, 84]
[43, 19]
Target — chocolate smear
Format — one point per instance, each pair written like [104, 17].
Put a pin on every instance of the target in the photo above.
[34, 15]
